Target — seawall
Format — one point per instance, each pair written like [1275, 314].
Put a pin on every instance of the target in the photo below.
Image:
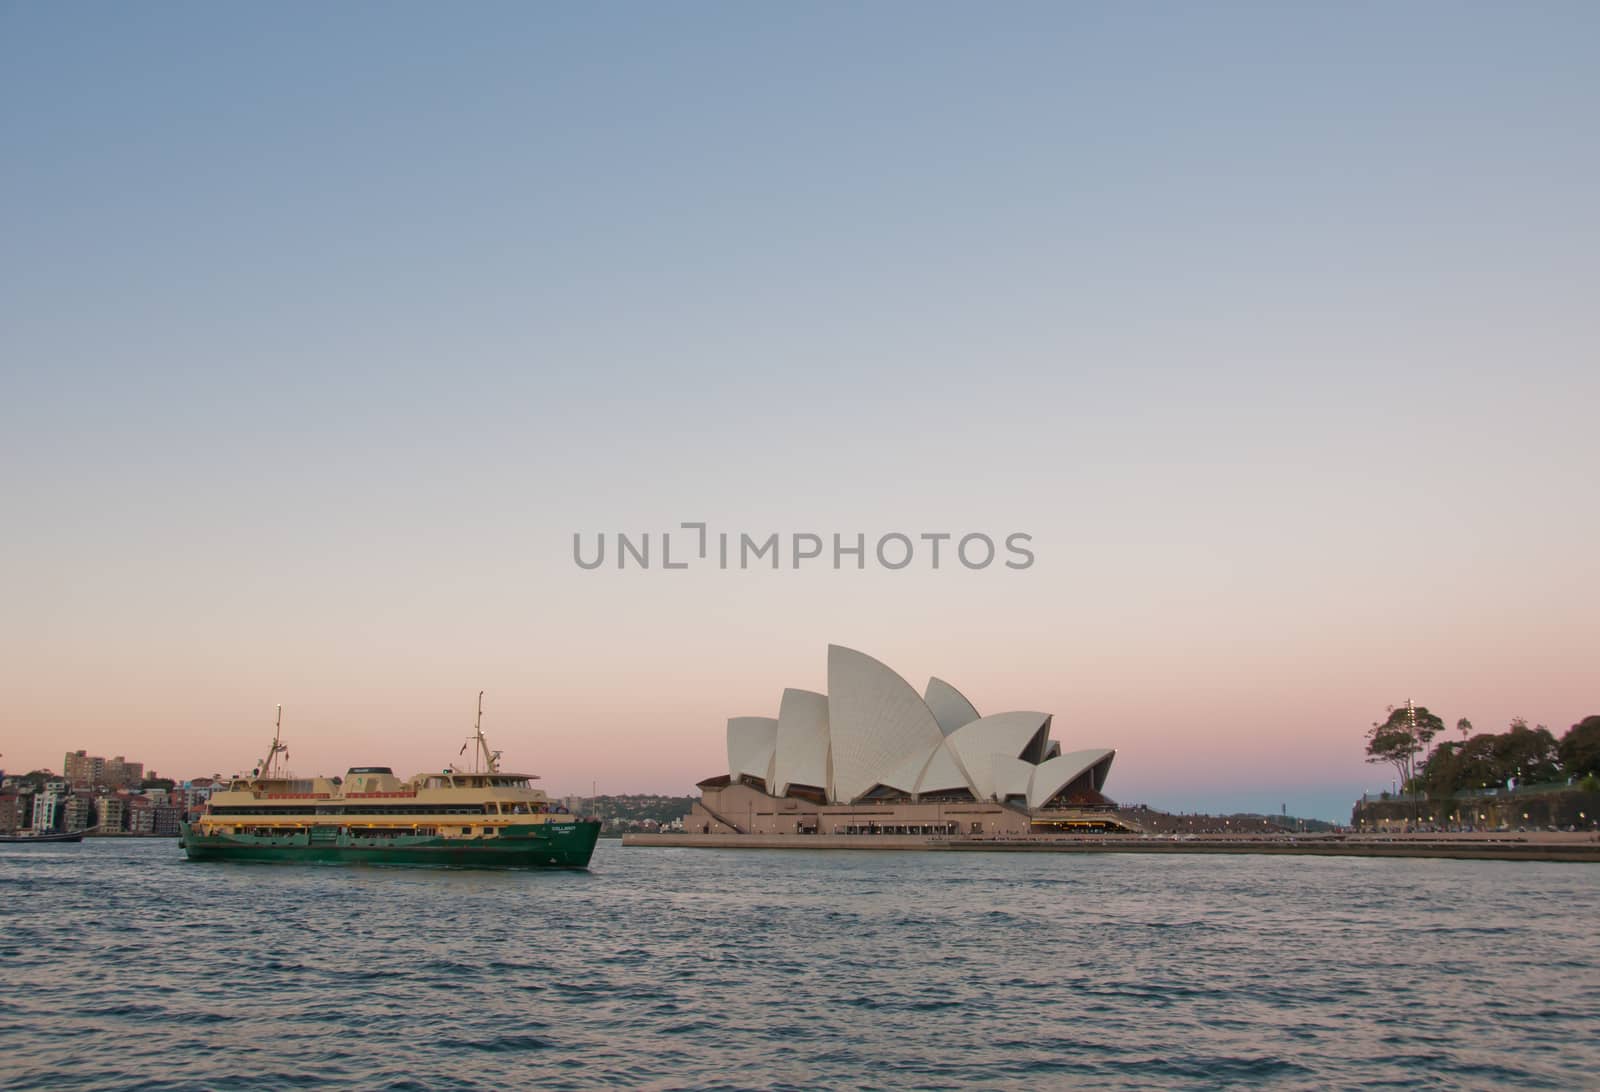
[1547, 846]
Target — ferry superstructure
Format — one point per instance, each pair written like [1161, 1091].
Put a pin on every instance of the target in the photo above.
[481, 817]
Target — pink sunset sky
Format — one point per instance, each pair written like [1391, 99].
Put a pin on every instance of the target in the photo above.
[309, 381]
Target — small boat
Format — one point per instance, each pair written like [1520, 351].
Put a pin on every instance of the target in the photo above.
[484, 817]
[29, 839]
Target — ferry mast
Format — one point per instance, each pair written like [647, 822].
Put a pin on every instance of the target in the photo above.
[488, 760]
[268, 767]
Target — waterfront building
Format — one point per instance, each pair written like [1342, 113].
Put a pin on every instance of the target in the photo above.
[872, 756]
[26, 794]
[113, 813]
[195, 793]
[85, 771]
[141, 815]
[165, 819]
[11, 812]
[47, 808]
[77, 811]
[122, 774]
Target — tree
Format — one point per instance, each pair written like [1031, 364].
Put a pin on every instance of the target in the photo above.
[1400, 739]
[1580, 748]
[1440, 775]
[1528, 754]
[1476, 766]
[1464, 726]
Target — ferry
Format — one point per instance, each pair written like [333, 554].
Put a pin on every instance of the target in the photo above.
[482, 817]
[41, 839]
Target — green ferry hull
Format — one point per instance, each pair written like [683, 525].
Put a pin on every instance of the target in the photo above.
[542, 845]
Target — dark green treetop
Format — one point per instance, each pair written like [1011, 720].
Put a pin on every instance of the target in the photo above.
[1580, 748]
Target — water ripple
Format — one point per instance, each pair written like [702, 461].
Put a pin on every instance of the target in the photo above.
[680, 969]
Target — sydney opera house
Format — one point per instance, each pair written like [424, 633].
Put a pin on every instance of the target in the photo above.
[872, 756]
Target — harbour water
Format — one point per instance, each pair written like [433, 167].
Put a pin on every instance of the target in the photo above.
[127, 967]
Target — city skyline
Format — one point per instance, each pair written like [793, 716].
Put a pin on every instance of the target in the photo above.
[325, 333]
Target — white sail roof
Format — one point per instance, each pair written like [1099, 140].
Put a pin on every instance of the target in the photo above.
[1009, 776]
[801, 756]
[944, 772]
[1051, 776]
[872, 728]
[950, 707]
[751, 743]
[877, 722]
[907, 773]
[1006, 734]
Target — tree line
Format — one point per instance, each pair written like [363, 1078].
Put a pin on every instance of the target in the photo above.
[1518, 756]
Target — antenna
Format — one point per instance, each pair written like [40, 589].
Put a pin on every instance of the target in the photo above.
[482, 756]
[269, 765]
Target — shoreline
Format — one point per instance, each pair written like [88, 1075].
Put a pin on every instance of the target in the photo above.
[1533, 846]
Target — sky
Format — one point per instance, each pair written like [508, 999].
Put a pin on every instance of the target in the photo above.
[324, 328]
